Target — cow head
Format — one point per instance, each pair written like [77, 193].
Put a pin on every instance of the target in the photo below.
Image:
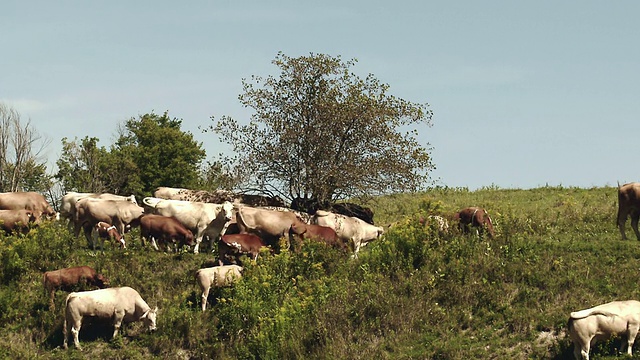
[227, 209]
[101, 281]
[149, 318]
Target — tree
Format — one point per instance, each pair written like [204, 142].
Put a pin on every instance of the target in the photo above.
[163, 154]
[321, 132]
[21, 168]
[81, 166]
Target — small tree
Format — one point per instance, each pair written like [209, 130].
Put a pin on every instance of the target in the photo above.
[321, 132]
[21, 168]
[81, 166]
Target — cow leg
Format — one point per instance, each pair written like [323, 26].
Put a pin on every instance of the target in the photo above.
[196, 248]
[635, 216]
[65, 332]
[75, 331]
[117, 322]
[154, 244]
[622, 219]
[205, 296]
[632, 332]
[88, 235]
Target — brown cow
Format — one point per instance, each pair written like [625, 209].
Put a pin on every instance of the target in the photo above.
[166, 229]
[236, 245]
[29, 201]
[107, 231]
[18, 221]
[629, 204]
[67, 279]
[317, 232]
[474, 217]
[270, 225]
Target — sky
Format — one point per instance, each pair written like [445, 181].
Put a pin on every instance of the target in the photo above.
[524, 94]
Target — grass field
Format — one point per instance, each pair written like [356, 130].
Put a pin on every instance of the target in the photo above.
[414, 294]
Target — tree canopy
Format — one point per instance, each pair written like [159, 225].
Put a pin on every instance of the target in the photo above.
[321, 132]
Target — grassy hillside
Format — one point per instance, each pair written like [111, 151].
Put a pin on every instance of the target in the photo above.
[412, 295]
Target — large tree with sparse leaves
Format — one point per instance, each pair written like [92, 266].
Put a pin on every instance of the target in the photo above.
[321, 132]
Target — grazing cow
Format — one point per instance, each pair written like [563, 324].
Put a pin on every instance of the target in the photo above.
[69, 200]
[67, 279]
[351, 230]
[216, 276]
[90, 211]
[270, 225]
[203, 219]
[107, 231]
[320, 233]
[474, 217]
[28, 201]
[435, 222]
[122, 304]
[18, 221]
[217, 197]
[236, 245]
[166, 229]
[601, 322]
[629, 204]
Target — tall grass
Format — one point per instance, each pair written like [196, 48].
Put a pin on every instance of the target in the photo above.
[414, 294]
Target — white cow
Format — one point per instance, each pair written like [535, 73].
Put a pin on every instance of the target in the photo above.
[350, 229]
[121, 214]
[201, 218]
[217, 276]
[601, 322]
[122, 304]
[69, 200]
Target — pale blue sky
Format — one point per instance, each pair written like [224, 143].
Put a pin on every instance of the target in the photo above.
[523, 94]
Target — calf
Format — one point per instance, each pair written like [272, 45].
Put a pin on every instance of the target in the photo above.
[122, 304]
[167, 229]
[67, 279]
[474, 217]
[602, 322]
[239, 244]
[18, 221]
[216, 276]
[317, 232]
[107, 231]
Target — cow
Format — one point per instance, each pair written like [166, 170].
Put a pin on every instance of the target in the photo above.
[474, 217]
[29, 201]
[201, 218]
[16, 221]
[69, 200]
[166, 229]
[90, 211]
[216, 276]
[629, 204]
[107, 231]
[435, 222]
[348, 209]
[351, 230]
[235, 245]
[270, 225]
[122, 304]
[602, 322]
[67, 279]
[217, 197]
[259, 200]
[316, 232]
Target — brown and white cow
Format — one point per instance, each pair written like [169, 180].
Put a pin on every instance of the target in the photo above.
[587, 326]
[216, 197]
[351, 230]
[216, 276]
[203, 219]
[629, 204]
[166, 229]
[67, 279]
[236, 245]
[270, 225]
[90, 211]
[435, 222]
[475, 217]
[324, 234]
[121, 304]
[16, 221]
[107, 231]
[28, 201]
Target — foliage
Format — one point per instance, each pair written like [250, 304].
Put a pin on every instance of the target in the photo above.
[82, 165]
[415, 293]
[321, 132]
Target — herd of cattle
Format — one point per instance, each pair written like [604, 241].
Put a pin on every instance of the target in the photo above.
[242, 225]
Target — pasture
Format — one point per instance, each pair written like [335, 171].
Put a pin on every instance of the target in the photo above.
[415, 294]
